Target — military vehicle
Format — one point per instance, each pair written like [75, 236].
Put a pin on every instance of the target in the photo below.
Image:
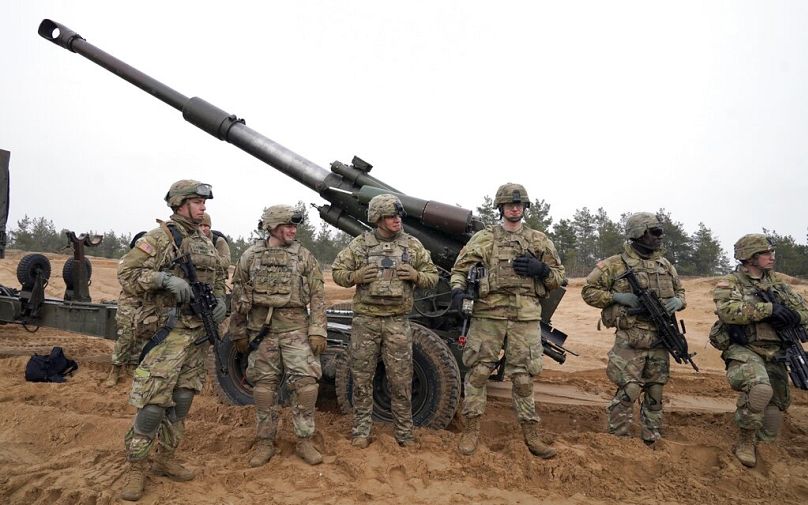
[442, 228]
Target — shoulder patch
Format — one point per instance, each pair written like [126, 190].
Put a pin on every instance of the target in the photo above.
[145, 246]
[601, 264]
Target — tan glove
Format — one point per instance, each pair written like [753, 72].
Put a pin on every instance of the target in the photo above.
[366, 274]
[317, 344]
[406, 272]
[242, 345]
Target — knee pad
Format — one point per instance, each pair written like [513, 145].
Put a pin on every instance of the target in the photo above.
[478, 376]
[264, 397]
[522, 384]
[629, 393]
[759, 396]
[182, 404]
[653, 397]
[302, 383]
[148, 419]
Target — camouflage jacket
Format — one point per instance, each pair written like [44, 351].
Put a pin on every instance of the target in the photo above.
[274, 286]
[503, 294]
[737, 302]
[655, 273]
[223, 249]
[154, 252]
[386, 296]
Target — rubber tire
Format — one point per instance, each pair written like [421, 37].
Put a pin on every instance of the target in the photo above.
[436, 385]
[28, 267]
[67, 271]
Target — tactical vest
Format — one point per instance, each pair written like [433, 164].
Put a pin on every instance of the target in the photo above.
[387, 289]
[760, 331]
[501, 277]
[276, 275]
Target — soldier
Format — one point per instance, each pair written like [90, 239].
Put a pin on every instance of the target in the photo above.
[522, 267]
[222, 248]
[638, 363]
[126, 351]
[173, 371]
[746, 333]
[385, 265]
[275, 280]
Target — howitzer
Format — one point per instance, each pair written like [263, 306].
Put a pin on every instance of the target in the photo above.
[671, 337]
[443, 229]
[793, 355]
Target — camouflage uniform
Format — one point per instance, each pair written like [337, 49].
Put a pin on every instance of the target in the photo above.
[761, 381]
[272, 286]
[222, 247]
[380, 325]
[174, 370]
[506, 313]
[128, 345]
[638, 363]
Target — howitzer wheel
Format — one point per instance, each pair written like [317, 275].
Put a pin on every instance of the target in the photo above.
[435, 383]
[29, 266]
[67, 271]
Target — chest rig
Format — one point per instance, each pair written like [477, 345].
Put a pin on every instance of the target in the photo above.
[759, 331]
[277, 277]
[653, 274]
[387, 288]
[501, 276]
[203, 254]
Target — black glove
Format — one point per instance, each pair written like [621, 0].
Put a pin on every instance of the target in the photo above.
[737, 334]
[783, 317]
[457, 299]
[528, 266]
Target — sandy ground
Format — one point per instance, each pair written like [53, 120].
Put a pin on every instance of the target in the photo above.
[62, 443]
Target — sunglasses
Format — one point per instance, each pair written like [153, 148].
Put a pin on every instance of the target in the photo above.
[657, 232]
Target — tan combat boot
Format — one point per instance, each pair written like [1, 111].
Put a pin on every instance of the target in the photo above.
[263, 451]
[135, 481]
[745, 448]
[534, 443]
[360, 442]
[167, 466]
[114, 375]
[470, 436]
[307, 452]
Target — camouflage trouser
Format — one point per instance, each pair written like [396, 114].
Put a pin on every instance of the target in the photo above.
[390, 337]
[745, 369]
[127, 346]
[278, 353]
[636, 371]
[523, 361]
[175, 363]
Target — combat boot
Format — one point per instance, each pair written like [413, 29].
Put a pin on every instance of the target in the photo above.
[167, 466]
[262, 452]
[534, 443]
[470, 436]
[745, 448]
[360, 442]
[135, 481]
[307, 452]
[114, 375]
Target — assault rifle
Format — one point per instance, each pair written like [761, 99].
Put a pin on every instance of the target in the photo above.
[669, 333]
[202, 303]
[793, 355]
[472, 292]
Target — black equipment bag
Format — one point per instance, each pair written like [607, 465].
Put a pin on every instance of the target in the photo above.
[51, 367]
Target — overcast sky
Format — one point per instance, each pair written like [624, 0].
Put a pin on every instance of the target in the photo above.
[697, 107]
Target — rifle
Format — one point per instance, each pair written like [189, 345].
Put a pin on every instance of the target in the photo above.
[669, 334]
[793, 355]
[472, 293]
[202, 303]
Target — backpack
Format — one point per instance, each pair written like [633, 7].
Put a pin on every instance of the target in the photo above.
[49, 367]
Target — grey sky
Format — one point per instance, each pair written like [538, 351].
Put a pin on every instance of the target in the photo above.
[696, 107]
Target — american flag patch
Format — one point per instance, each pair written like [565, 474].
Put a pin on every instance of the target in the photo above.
[145, 247]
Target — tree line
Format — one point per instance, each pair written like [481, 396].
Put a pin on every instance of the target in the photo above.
[582, 240]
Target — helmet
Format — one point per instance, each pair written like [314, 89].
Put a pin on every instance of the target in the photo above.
[638, 223]
[277, 215]
[206, 219]
[748, 245]
[384, 205]
[511, 193]
[187, 188]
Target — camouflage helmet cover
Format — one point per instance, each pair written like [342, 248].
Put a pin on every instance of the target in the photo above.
[511, 193]
[277, 215]
[206, 219]
[384, 205]
[637, 224]
[748, 245]
[187, 188]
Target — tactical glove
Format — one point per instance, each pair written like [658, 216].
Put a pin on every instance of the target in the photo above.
[317, 344]
[457, 299]
[406, 272]
[783, 317]
[219, 311]
[242, 345]
[673, 304]
[178, 287]
[528, 266]
[627, 299]
[365, 275]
